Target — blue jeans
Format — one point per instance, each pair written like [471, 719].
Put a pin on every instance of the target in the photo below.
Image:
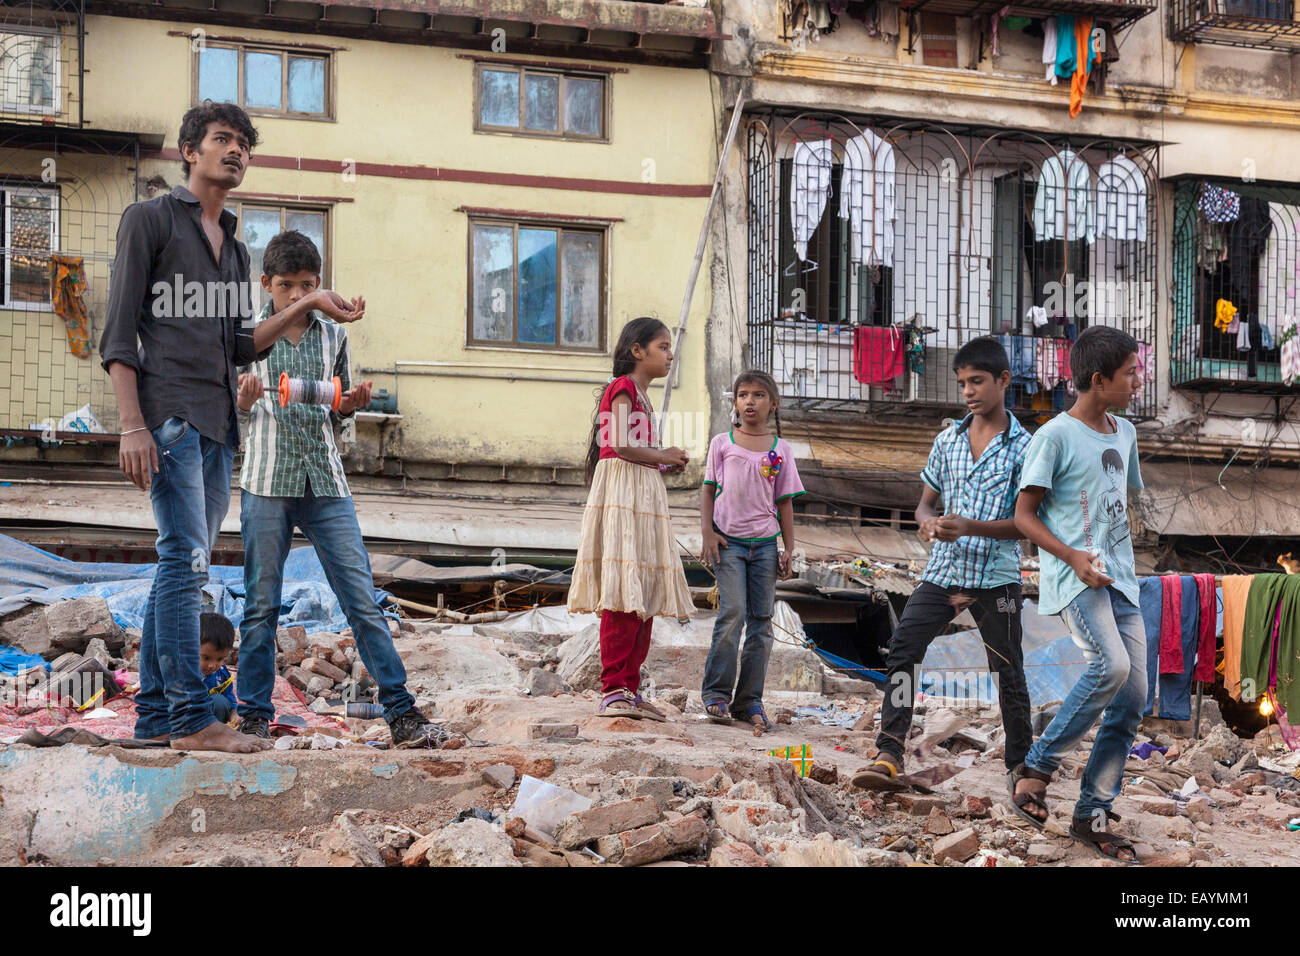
[330, 524]
[746, 574]
[1108, 628]
[190, 494]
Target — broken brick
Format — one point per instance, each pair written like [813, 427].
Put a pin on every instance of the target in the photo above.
[959, 846]
[315, 665]
[578, 829]
[823, 773]
[736, 854]
[978, 807]
[689, 834]
[291, 639]
[920, 805]
[938, 824]
[1160, 806]
[298, 677]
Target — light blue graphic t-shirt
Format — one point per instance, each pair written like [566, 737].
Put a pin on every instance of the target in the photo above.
[1087, 476]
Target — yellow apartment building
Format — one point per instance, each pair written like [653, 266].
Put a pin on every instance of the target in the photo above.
[506, 183]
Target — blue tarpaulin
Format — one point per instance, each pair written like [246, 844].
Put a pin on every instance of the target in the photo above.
[956, 665]
[29, 575]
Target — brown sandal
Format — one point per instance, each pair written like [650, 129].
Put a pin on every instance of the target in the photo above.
[1032, 797]
[881, 776]
[1107, 844]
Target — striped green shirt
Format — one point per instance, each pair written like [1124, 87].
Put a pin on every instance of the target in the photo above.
[288, 447]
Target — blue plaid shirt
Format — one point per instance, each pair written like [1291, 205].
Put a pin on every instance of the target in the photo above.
[983, 490]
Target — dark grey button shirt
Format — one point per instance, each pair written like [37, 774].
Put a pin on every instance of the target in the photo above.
[193, 316]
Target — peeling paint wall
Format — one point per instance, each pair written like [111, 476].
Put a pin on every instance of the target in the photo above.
[1219, 111]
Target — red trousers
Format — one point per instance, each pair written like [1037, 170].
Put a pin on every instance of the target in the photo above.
[624, 644]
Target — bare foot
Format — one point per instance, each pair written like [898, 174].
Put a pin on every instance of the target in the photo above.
[160, 739]
[219, 737]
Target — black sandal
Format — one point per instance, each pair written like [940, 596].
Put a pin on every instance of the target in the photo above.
[1033, 798]
[1107, 844]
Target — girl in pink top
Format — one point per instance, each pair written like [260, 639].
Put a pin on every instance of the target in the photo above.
[746, 503]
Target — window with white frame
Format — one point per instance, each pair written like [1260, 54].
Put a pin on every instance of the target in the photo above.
[264, 80]
[536, 285]
[29, 70]
[31, 233]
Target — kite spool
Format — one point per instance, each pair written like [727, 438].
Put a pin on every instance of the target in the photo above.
[307, 392]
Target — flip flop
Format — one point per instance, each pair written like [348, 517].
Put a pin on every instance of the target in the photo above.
[620, 704]
[884, 780]
[721, 718]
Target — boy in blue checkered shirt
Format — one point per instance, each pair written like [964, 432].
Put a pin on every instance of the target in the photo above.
[967, 510]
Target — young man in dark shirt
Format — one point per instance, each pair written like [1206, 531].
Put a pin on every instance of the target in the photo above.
[180, 285]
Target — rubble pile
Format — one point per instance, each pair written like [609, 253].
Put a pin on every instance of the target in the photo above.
[542, 781]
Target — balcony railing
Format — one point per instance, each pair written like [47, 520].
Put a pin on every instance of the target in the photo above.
[1236, 249]
[876, 250]
[1118, 13]
[1257, 24]
[42, 49]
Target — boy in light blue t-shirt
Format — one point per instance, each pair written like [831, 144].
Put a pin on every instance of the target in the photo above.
[1073, 504]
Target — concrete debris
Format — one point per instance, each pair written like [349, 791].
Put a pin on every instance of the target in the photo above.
[735, 854]
[543, 683]
[633, 792]
[471, 843]
[501, 776]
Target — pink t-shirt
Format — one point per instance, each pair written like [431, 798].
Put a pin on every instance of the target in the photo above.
[748, 484]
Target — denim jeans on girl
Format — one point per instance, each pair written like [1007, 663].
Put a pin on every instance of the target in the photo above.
[1108, 628]
[330, 524]
[746, 574]
[189, 494]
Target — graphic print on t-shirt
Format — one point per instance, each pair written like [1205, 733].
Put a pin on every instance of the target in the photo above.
[1113, 501]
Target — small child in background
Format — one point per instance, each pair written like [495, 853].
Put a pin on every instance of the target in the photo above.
[628, 570]
[216, 638]
[746, 502]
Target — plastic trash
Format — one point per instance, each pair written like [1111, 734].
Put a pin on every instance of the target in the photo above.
[543, 805]
[365, 710]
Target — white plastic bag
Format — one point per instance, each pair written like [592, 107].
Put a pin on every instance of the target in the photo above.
[544, 805]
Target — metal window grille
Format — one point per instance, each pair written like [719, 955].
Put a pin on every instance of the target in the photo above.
[90, 183]
[1256, 24]
[42, 48]
[876, 250]
[1236, 260]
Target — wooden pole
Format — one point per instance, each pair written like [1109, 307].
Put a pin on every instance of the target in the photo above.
[699, 257]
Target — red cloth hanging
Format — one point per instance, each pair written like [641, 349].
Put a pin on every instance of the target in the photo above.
[1209, 618]
[877, 355]
[1171, 624]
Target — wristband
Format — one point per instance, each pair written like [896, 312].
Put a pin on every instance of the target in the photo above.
[142, 428]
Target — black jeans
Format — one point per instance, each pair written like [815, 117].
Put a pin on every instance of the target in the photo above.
[929, 610]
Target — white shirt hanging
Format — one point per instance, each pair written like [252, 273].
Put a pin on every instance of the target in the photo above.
[1064, 186]
[867, 199]
[810, 181]
[1049, 48]
[1121, 200]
